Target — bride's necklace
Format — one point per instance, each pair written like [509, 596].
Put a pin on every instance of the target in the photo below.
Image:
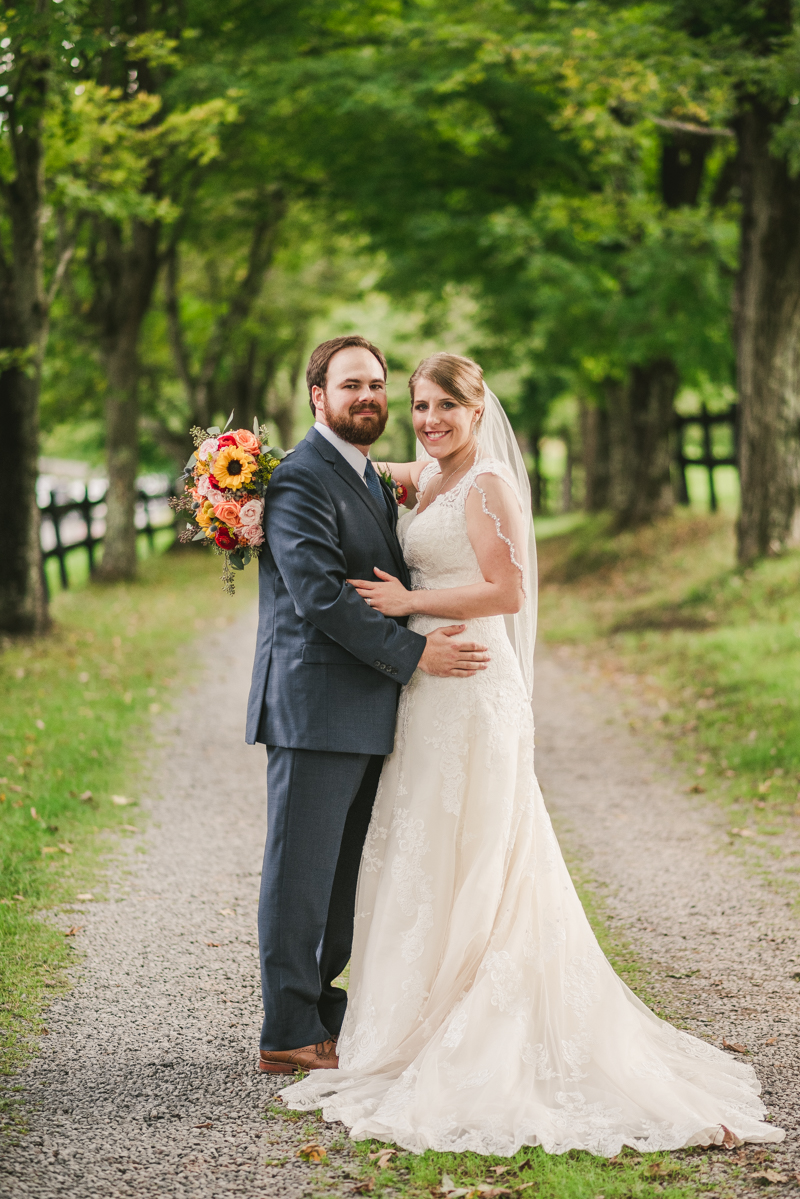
[456, 468]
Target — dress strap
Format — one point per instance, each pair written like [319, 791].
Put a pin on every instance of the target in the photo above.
[426, 474]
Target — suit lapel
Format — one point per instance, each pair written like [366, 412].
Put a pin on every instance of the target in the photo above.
[346, 473]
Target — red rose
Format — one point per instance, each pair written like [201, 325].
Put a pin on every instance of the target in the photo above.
[215, 484]
[225, 540]
[226, 439]
[401, 493]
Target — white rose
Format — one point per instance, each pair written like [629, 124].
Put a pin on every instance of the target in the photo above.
[209, 446]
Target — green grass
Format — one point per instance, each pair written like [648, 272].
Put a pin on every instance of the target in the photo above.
[710, 655]
[533, 1172]
[76, 708]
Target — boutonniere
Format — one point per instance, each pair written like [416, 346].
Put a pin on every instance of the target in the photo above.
[399, 492]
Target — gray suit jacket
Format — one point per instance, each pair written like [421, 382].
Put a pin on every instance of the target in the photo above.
[328, 668]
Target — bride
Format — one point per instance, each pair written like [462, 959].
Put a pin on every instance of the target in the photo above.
[482, 1013]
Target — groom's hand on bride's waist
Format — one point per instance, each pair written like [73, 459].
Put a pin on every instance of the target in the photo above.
[452, 659]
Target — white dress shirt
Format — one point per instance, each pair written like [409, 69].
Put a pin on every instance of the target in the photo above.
[350, 453]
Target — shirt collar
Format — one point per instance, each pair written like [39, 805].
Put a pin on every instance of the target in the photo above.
[350, 453]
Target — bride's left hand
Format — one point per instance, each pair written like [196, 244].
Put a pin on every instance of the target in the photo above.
[389, 597]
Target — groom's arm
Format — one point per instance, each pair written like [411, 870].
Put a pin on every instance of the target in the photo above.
[303, 536]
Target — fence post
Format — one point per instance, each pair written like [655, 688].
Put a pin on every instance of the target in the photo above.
[680, 459]
[148, 527]
[56, 519]
[708, 454]
[86, 512]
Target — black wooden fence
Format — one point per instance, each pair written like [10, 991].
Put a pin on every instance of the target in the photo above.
[58, 511]
[706, 421]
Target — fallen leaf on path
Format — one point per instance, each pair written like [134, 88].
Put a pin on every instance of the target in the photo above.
[499, 1169]
[729, 1139]
[119, 800]
[73, 932]
[771, 1041]
[742, 832]
[736, 1046]
[84, 896]
[214, 944]
[129, 828]
[85, 796]
[382, 1157]
[312, 1152]
[661, 1169]
[62, 845]
[696, 789]
[207, 1124]
[768, 1176]
[363, 1187]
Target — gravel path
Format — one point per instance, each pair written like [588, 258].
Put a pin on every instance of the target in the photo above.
[147, 1086]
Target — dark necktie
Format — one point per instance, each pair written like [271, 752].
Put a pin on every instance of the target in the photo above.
[374, 485]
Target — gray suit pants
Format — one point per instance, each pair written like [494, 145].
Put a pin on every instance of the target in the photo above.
[318, 810]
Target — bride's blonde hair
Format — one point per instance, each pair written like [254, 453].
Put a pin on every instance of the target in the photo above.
[460, 377]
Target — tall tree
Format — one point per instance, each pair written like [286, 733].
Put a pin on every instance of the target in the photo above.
[34, 65]
[158, 145]
[756, 46]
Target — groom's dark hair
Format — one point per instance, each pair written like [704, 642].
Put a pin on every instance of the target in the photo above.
[317, 369]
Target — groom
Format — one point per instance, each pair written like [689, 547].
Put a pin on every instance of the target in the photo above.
[323, 699]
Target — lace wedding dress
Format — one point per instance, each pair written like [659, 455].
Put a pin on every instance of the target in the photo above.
[482, 1013]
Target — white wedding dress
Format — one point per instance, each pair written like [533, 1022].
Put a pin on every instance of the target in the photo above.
[482, 1013]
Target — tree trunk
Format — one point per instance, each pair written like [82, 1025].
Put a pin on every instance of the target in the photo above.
[129, 276]
[594, 440]
[640, 428]
[23, 602]
[768, 342]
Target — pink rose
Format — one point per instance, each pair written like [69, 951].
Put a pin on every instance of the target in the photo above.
[252, 534]
[252, 513]
[207, 489]
[227, 512]
[248, 441]
[209, 446]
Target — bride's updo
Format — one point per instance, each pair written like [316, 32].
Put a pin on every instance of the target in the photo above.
[460, 377]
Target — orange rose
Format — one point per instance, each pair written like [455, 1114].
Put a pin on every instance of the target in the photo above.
[248, 441]
[227, 512]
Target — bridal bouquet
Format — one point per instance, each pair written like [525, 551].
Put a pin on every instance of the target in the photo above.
[225, 482]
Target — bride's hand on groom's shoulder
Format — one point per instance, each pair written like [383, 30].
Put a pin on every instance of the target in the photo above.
[389, 596]
[452, 659]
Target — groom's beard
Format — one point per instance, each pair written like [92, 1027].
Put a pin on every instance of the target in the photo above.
[356, 432]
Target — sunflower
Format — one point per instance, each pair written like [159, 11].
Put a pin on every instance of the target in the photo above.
[233, 467]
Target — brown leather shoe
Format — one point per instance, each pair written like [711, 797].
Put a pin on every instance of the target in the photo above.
[321, 1056]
